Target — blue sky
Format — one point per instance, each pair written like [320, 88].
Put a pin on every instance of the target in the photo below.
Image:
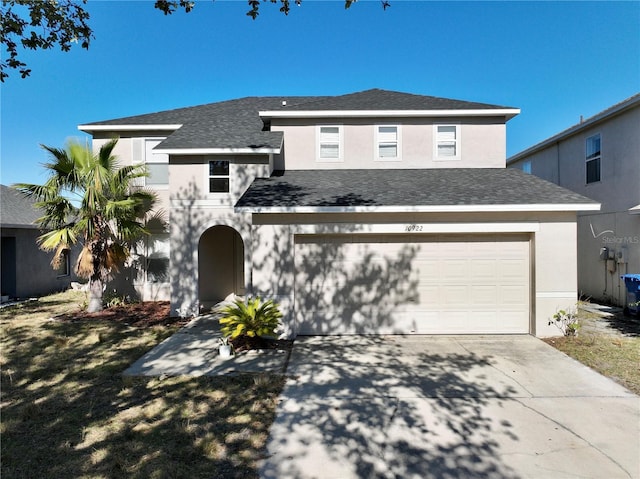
[554, 60]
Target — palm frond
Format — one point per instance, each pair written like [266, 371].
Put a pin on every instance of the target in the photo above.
[109, 215]
[58, 212]
[116, 255]
[157, 221]
[123, 176]
[58, 256]
[62, 237]
[84, 266]
[129, 231]
[115, 209]
[63, 168]
[37, 192]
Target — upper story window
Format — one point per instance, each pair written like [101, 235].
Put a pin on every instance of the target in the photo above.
[329, 143]
[526, 166]
[593, 158]
[157, 163]
[447, 142]
[388, 142]
[218, 176]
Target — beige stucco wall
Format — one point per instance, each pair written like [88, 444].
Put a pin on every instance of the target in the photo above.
[618, 190]
[189, 177]
[193, 211]
[189, 221]
[124, 151]
[482, 144]
[555, 264]
[131, 280]
[190, 210]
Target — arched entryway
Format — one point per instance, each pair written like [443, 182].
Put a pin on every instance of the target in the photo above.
[220, 265]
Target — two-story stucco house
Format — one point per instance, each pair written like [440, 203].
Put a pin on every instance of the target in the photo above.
[599, 158]
[371, 212]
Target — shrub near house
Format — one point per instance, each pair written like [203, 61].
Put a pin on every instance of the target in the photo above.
[253, 318]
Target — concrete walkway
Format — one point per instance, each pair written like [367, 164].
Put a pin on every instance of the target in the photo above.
[193, 351]
[449, 407]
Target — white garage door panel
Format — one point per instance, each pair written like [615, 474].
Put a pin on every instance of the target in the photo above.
[411, 284]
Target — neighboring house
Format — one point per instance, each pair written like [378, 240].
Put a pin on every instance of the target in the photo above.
[26, 269]
[598, 158]
[371, 212]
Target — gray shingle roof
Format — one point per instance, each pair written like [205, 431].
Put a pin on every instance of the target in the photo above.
[236, 123]
[16, 210]
[377, 99]
[405, 188]
[226, 124]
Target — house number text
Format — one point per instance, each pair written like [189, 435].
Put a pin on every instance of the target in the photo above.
[412, 228]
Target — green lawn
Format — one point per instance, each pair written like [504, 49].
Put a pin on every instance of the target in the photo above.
[68, 413]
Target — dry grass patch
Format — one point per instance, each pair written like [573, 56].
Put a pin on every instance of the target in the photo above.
[68, 413]
[613, 351]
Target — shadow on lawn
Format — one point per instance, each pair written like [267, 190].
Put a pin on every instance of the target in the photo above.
[389, 417]
[68, 412]
[626, 325]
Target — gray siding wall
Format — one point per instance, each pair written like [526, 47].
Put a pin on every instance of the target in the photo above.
[34, 275]
[618, 190]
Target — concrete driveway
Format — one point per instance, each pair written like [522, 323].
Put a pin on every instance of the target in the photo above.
[449, 407]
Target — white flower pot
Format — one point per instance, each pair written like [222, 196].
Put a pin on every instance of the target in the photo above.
[225, 351]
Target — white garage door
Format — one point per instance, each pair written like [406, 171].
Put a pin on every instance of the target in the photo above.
[402, 284]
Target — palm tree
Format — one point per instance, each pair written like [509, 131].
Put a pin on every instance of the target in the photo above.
[90, 200]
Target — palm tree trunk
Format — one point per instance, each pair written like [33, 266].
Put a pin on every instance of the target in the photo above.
[95, 296]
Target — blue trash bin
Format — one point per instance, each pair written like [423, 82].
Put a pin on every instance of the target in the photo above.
[632, 282]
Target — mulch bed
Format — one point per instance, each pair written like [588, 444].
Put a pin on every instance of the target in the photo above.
[140, 315]
[157, 313]
[244, 343]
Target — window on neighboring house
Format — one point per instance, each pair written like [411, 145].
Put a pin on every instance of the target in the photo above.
[219, 176]
[593, 158]
[64, 267]
[388, 142]
[447, 143]
[526, 166]
[330, 143]
[158, 258]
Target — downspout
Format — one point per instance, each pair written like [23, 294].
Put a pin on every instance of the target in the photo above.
[558, 161]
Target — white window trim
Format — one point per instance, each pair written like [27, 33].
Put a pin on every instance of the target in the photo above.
[458, 142]
[207, 176]
[340, 157]
[587, 160]
[376, 153]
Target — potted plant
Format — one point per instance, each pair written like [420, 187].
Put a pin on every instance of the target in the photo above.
[251, 320]
[225, 349]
